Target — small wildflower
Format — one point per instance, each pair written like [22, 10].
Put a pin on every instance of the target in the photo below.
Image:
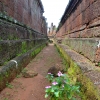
[59, 73]
[47, 87]
[54, 83]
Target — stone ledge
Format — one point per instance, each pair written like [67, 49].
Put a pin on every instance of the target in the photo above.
[85, 46]
[9, 49]
[15, 66]
[84, 71]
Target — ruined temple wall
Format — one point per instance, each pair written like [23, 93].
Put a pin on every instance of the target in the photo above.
[29, 12]
[22, 36]
[85, 16]
[82, 28]
[22, 28]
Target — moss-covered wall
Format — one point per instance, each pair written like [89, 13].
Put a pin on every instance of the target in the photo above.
[16, 39]
[18, 43]
[79, 71]
[87, 47]
[80, 24]
[23, 33]
[12, 69]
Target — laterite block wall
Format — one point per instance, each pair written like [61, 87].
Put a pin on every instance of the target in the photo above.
[80, 28]
[29, 12]
[22, 27]
[23, 34]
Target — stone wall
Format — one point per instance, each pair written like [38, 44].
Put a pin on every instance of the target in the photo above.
[28, 12]
[81, 70]
[81, 19]
[23, 34]
[22, 27]
[17, 39]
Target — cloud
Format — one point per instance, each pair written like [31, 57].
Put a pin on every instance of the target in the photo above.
[54, 10]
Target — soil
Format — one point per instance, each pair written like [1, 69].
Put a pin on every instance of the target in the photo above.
[33, 88]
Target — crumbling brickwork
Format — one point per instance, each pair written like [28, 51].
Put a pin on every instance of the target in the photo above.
[82, 20]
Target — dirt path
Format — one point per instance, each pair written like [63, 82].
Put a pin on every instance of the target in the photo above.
[33, 88]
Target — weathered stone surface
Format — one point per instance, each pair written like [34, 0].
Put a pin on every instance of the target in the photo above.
[16, 39]
[81, 69]
[95, 77]
[55, 69]
[23, 31]
[85, 46]
[29, 74]
[15, 66]
[85, 14]
[27, 12]
[10, 49]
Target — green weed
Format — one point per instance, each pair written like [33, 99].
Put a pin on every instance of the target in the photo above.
[9, 85]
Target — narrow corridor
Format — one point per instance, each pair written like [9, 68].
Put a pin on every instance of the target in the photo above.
[33, 88]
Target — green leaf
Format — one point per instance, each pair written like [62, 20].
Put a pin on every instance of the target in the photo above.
[46, 90]
[73, 98]
[46, 95]
[52, 90]
[56, 94]
[69, 96]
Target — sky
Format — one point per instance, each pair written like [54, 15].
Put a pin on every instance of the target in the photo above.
[53, 10]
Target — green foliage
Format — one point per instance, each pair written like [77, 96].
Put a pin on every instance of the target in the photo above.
[24, 70]
[9, 85]
[6, 74]
[99, 64]
[37, 51]
[18, 76]
[62, 88]
[5, 98]
[32, 54]
[50, 77]
[24, 50]
[64, 62]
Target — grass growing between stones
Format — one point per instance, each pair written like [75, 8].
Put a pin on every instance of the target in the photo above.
[87, 88]
[64, 62]
[70, 70]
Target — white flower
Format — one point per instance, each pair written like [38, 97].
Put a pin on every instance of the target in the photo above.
[47, 87]
[59, 73]
[54, 83]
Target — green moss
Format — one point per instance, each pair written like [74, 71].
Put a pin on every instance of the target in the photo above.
[89, 91]
[32, 54]
[6, 74]
[37, 51]
[99, 64]
[24, 47]
[1, 77]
